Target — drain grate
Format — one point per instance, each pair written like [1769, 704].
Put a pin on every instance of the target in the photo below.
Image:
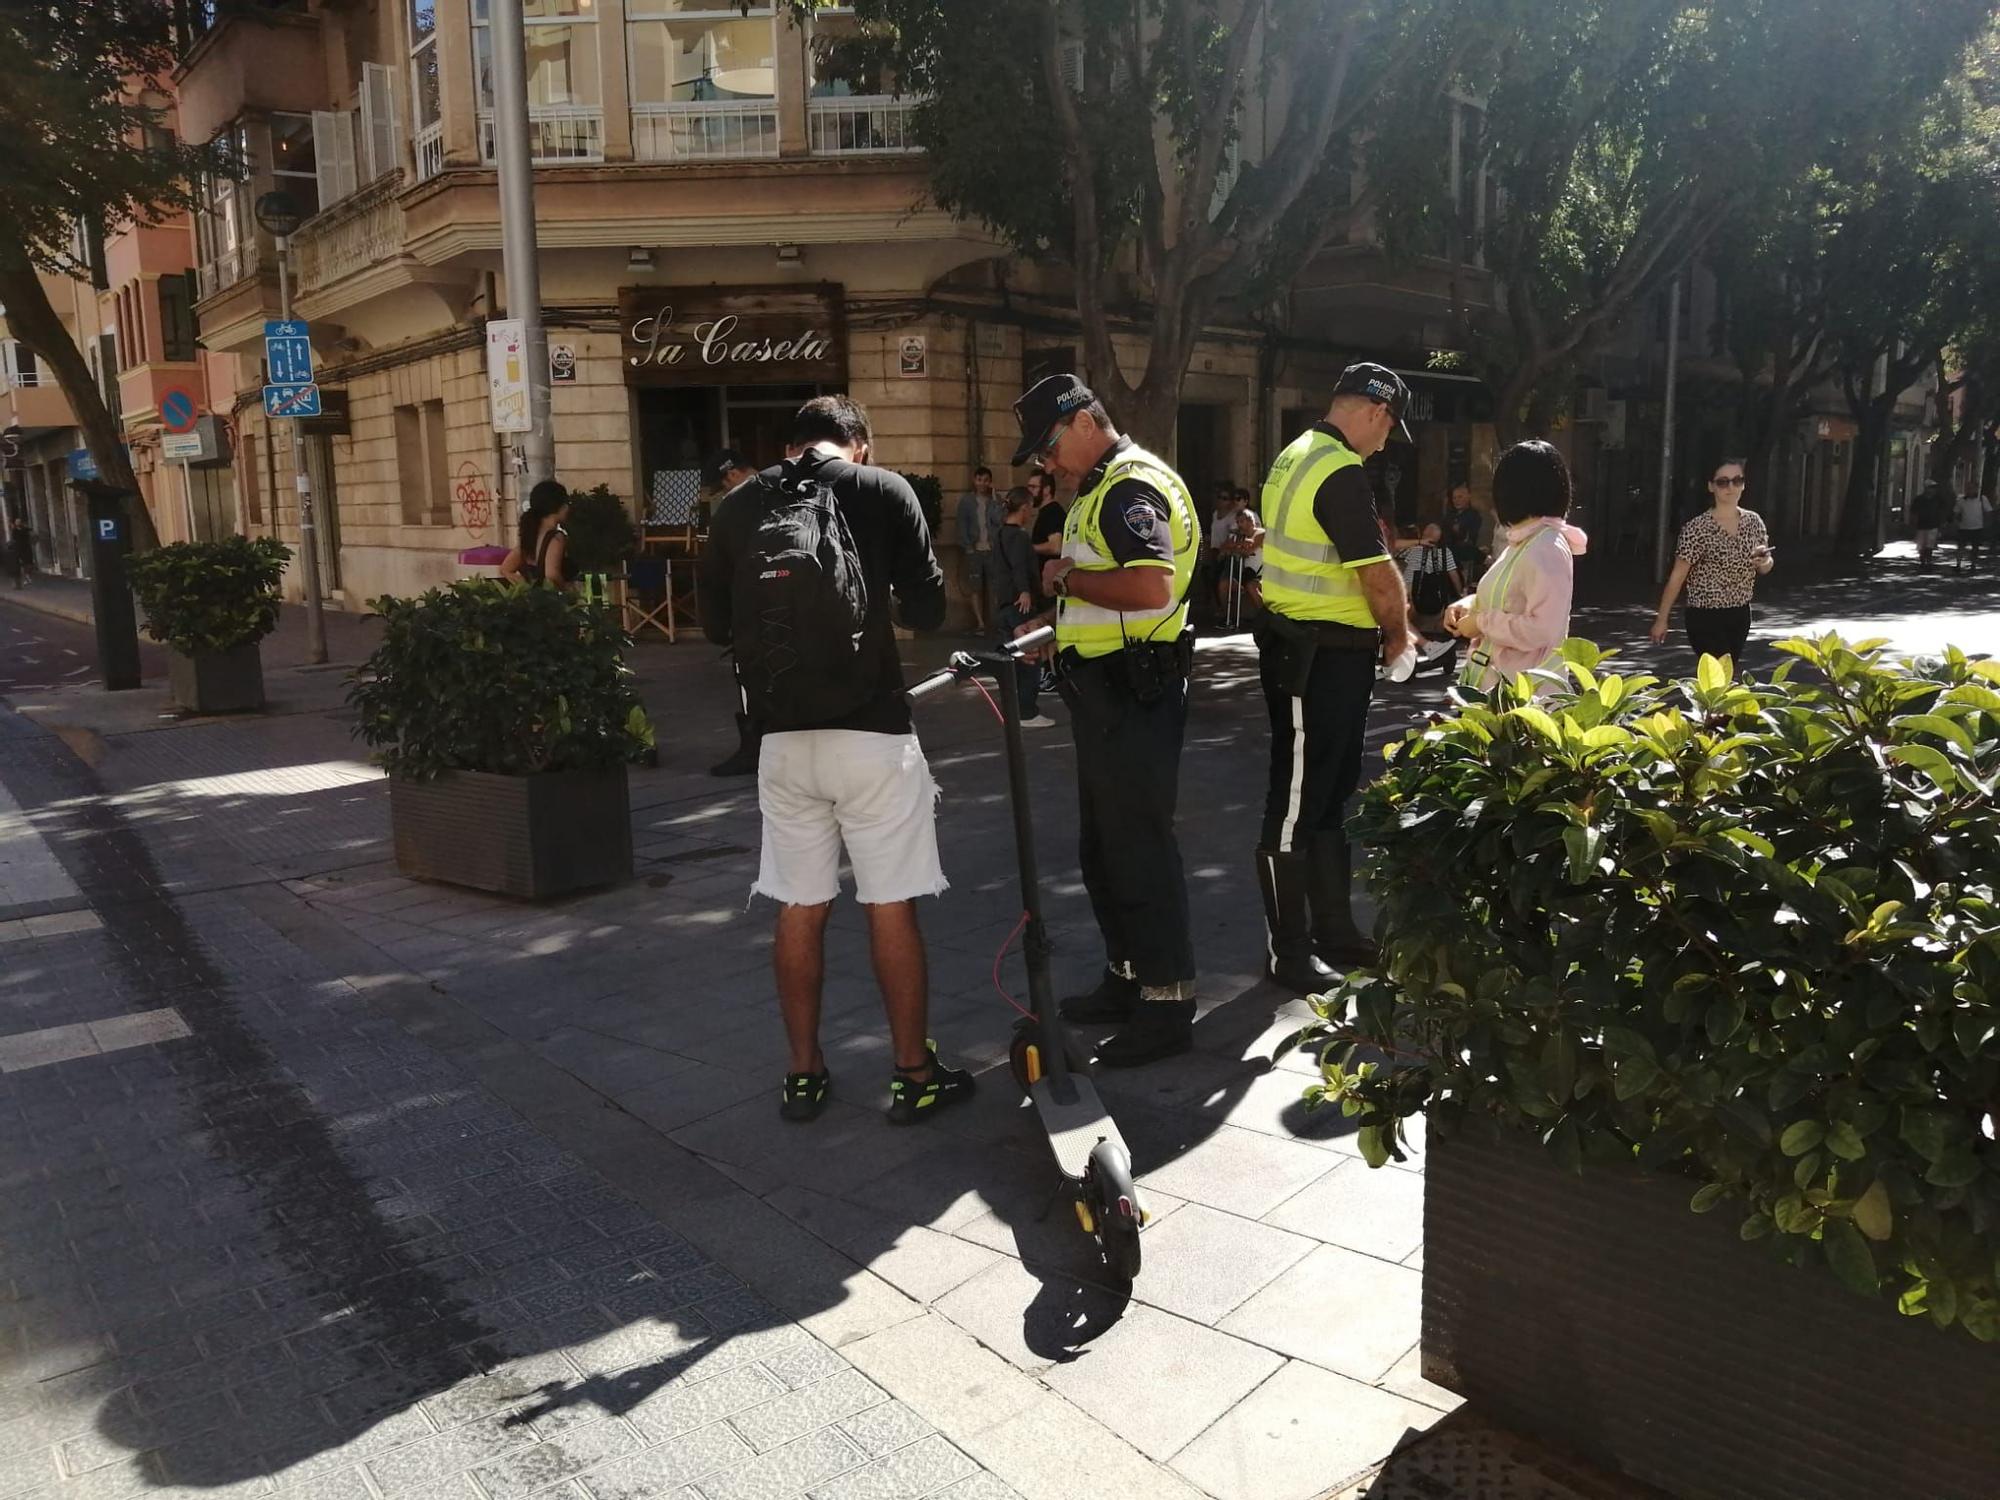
[1467, 1458]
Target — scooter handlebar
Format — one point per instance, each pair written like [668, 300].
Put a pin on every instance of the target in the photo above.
[964, 663]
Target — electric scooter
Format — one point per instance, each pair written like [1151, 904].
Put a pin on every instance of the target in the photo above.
[1045, 1059]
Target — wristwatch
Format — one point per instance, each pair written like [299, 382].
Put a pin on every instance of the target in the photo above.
[1059, 585]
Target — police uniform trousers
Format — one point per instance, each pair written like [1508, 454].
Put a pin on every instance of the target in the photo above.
[1128, 767]
[1319, 721]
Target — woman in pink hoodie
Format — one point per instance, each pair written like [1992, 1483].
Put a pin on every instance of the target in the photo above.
[1520, 613]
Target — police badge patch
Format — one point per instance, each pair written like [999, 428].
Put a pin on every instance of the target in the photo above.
[1141, 520]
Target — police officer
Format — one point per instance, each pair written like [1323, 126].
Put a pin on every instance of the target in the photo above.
[1334, 605]
[1123, 653]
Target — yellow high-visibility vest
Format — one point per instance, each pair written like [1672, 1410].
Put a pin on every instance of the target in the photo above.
[1091, 630]
[1304, 577]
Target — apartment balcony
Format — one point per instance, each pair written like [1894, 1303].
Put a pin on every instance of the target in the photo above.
[708, 130]
[359, 232]
[36, 404]
[255, 57]
[860, 126]
[556, 133]
[239, 264]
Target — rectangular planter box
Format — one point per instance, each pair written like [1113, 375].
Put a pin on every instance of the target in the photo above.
[217, 682]
[530, 836]
[1599, 1314]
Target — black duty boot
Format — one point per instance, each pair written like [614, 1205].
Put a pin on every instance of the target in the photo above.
[743, 760]
[1336, 941]
[1116, 993]
[1162, 1025]
[1284, 879]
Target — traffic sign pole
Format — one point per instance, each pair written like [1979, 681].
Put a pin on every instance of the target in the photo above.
[308, 534]
[518, 251]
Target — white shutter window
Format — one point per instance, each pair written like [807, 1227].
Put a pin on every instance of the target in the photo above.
[1069, 62]
[378, 120]
[10, 364]
[333, 153]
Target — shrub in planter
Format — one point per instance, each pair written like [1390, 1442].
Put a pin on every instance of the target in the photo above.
[505, 717]
[602, 537]
[930, 499]
[211, 603]
[1742, 932]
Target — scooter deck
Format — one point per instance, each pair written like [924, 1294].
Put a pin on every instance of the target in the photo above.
[1074, 1129]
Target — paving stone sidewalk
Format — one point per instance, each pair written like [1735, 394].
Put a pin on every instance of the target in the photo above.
[265, 1242]
[1268, 1349]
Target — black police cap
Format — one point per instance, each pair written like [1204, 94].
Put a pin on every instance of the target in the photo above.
[1052, 399]
[1378, 383]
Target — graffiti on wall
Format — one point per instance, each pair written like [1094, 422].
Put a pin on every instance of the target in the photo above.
[472, 502]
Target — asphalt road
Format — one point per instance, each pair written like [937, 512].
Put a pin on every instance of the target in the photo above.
[40, 651]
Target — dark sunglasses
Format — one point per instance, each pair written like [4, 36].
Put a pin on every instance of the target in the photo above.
[1729, 482]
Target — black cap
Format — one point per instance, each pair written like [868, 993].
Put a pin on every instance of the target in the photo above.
[1049, 401]
[717, 472]
[1378, 383]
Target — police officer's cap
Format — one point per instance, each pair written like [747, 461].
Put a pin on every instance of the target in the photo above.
[1379, 384]
[720, 467]
[1053, 399]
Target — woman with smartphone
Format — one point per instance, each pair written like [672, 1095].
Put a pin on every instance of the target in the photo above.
[1722, 553]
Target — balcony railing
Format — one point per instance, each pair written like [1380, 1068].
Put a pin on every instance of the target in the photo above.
[709, 130]
[867, 126]
[228, 268]
[556, 133]
[430, 151]
[356, 233]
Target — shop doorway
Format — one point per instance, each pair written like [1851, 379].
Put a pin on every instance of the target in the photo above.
[326, 508]
[211, 501]
[1201, 447]
[681, 428]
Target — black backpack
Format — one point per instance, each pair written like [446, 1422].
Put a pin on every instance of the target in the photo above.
[800, 606]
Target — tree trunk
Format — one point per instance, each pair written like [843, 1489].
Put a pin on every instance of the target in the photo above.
[1864, 497]
[32, 320]
[1512, 420]
[1953, 447]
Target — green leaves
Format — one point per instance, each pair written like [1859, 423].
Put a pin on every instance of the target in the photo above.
[203, 597]
[493, 676]
[1750, 941]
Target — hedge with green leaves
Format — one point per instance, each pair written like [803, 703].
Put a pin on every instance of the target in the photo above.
[492, 676]
[207, 597]
[1742, 931]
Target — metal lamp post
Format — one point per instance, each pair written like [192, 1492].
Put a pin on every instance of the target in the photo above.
[278, 215]
[518, 249]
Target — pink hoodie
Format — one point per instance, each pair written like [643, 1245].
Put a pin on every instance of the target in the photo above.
[1520, 613]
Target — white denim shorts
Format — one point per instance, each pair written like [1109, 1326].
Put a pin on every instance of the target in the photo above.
[820, 789]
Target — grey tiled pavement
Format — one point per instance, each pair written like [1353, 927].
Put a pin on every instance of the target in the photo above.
[538, 1142]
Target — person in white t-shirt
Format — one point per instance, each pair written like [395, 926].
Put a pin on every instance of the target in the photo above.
[1975, 520]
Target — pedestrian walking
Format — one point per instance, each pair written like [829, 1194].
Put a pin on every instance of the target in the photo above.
[1462, 528]
[1519, 617]
[541, 552]
[1019, 583]
[1721, 554]
[1334, 607]
[978, 529]
[1928, 517]
[1123, 653]
[21, 549]
[1974, 521]
[840, 766]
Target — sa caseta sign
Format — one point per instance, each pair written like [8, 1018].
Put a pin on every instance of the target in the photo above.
[677, 336]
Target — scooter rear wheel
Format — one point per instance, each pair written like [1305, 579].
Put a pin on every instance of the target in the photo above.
[1115, 1205]
[1025, 1067]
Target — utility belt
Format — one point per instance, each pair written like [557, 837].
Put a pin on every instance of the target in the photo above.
[1144, 671]
[1296, 642]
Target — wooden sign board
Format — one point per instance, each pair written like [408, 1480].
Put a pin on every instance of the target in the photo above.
[680, 336]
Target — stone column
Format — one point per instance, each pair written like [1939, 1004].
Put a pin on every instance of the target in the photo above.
[614, 80]
[791, 84]
[458, 102]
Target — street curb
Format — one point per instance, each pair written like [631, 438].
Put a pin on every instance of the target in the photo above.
[28, 599]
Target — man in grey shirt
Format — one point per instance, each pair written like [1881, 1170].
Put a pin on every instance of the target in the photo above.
[978, 534]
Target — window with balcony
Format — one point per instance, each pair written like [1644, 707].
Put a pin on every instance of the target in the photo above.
[854, 108]
[704, 79]
[177, 328]
[225, 240]
[565, 97]
[17, 366]
[426, 108]
[295, 162]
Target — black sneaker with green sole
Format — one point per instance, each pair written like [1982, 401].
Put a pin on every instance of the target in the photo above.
[913, 1100]
[804, 1096]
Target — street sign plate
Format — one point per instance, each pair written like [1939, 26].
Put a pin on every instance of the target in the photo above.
[180, 447]
[81, 464]
[178, 413]
[291, 400]
[287, 352]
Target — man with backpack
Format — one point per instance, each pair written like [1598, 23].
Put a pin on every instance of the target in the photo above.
[797, 579]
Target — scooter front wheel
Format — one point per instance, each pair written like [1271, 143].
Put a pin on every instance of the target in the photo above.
[1114, 1204]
